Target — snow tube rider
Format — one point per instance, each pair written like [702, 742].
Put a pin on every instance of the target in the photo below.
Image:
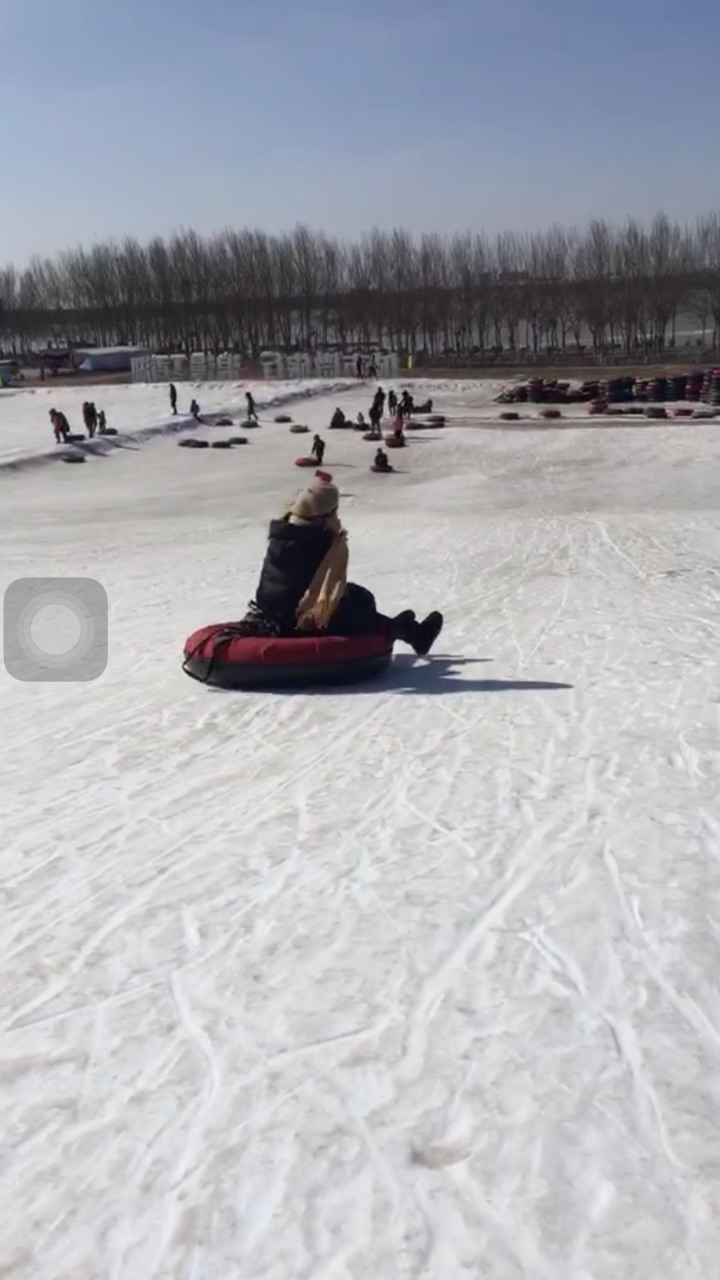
[382, 462]
[303, 588]
[398, 432]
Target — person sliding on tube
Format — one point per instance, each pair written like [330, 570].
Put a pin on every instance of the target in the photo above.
[382, 462]
[303, 587]
[318, 449]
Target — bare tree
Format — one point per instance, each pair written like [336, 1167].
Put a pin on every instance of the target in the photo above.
[446, 298]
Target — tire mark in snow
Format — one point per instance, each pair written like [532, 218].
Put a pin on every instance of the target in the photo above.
[535, 850]
[259, 800]
[625, 1040]
[689, 1010]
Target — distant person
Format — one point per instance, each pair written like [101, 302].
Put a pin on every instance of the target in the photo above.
[173, 397]
[251, 409]
[61, 426]
[392, 403]
[359, 368]
[89, 413]
[338, 420]
[102, 422]
[372, 371]
[406, 407]
[318, 449]
[195, 409]
[382, 462]
[375, 418]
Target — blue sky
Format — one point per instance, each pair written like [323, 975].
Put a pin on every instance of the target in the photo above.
[146, 115]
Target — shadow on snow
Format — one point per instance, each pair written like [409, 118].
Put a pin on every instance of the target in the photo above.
[411, 675]
[437, 675]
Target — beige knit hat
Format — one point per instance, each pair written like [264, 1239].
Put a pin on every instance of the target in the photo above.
[321, 498]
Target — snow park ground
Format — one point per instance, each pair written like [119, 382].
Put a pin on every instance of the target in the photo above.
[413, 981]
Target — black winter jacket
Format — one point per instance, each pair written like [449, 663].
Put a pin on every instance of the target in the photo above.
[293, 554]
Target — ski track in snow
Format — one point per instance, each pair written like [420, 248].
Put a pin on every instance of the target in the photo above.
[414, 982]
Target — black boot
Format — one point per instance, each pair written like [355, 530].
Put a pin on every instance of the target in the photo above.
[424, 634]
[401, 626]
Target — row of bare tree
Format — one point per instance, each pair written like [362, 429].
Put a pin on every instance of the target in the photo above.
[246, 291]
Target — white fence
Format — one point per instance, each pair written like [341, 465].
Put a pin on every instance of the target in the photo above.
[328, 364]
[199, 367]
[228, 367]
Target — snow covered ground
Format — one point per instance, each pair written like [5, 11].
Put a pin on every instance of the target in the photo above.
[414, 981]
[138, 409]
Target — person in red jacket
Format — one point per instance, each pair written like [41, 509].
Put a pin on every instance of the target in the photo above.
[61, 426]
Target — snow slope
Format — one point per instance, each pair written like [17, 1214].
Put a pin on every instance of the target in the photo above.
[418, 980]
[135, 409]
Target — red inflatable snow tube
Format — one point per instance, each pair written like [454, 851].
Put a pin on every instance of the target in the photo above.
[216, 655]
[306, 462]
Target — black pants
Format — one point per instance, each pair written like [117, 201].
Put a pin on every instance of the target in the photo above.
[356, 614]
